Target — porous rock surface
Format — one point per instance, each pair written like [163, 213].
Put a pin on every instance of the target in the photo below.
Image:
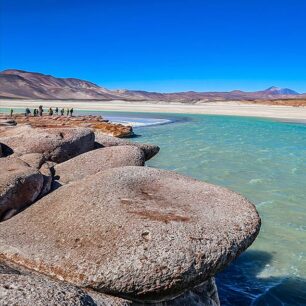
[32, 288]
[97, 160]
[135, 232]
[20, 185]
[47, 172]
[25, 290]
[34, 160]
[149, 150]
[56, 144]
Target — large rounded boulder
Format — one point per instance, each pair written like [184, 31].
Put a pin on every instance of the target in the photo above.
[136, 232]
[98, 160]
[56, 144]
[149, 150]
[20, 185]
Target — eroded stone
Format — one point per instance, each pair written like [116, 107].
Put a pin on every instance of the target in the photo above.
[98, 160]
[55, 144]
[135, 232]
[20, 185]
[109, 141]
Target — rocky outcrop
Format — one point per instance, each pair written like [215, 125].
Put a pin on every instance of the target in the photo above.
[34, 160]
[98, 160]
[108, 141]
[47, 172]
[20, 286]
[139, 233]
[96, 123]
[20, 185]
[7, 122]
[25, 290]
[56, 145]
[1, 153]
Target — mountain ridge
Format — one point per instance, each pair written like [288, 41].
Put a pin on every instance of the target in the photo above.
[20, 84]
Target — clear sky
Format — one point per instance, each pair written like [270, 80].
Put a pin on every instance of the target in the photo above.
[166, 45]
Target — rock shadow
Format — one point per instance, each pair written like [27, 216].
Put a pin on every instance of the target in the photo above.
[6, 150]
[240, 283]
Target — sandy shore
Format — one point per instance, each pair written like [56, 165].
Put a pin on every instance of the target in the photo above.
[232, 108]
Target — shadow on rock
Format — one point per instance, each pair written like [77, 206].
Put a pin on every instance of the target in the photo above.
[240, 284]
[6, 150]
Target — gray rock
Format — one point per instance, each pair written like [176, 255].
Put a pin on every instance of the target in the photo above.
[102, 299]
[97, 160]
[135, 232]
[109, 141]
[47, 172]
[55, 144]
[7, 122]
[37, 161]
[34, 160]
[5, 269]
[25, 290]
[20, 185]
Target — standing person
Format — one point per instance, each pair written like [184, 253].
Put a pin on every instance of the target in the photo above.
[71, 112]
[50, 111]
[27, 112]
[62, 112]
[40, 110]
[56, 110]
[11, 111]
[67, 112]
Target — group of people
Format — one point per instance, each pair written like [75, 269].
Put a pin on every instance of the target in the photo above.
[39, 111]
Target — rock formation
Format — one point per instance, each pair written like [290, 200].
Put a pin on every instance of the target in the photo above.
[56, 144]
[96, 123]
[135, 232]
[24, 290]
[98, 160]
[113, 232]
[108, 141]
[20, 185]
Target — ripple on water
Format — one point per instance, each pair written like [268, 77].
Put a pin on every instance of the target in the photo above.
[265, 161]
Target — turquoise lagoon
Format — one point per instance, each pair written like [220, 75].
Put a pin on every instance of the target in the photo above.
[265, 160]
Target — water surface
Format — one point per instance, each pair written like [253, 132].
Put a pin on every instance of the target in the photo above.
[262, 159]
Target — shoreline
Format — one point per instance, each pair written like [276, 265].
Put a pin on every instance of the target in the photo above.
[230, 108]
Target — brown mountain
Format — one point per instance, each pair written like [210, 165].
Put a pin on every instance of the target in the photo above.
[20, 84]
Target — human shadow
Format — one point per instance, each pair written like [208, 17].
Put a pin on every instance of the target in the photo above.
[240, 284]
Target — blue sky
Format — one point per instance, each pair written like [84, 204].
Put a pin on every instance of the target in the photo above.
[159, 45]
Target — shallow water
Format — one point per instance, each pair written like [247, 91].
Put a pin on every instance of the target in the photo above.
[264, 160]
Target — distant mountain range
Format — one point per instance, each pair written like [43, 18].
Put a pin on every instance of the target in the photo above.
[20, 84]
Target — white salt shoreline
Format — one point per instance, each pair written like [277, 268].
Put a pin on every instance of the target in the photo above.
[231, 108]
